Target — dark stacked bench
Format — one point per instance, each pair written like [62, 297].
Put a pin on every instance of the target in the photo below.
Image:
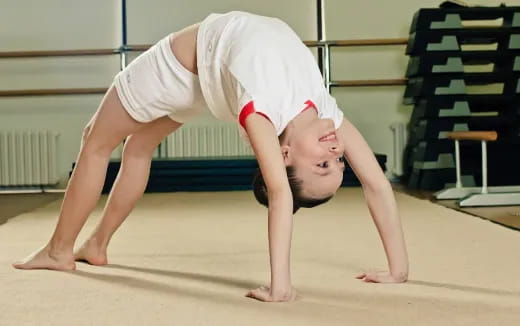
[208, 174]
[463, 78]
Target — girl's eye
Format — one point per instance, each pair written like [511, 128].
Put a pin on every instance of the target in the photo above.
[324, 164]
[341, 159]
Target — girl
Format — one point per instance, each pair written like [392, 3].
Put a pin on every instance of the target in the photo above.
[244, 68]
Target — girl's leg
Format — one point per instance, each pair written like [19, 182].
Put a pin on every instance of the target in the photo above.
[110, 125]
[128, 188]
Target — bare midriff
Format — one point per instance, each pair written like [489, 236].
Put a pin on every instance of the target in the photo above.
[184, 46]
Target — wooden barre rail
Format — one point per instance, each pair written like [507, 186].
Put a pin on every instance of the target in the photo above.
[332, 43]
[90, 91]
[58, 53]
[369, 82]
[360, 42]
[138, 47]
[50, 92]
[144, 47]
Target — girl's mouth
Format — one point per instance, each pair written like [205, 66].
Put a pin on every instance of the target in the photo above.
[331, 136]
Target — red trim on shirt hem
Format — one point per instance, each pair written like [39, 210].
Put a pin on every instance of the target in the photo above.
[249, 108]
[310, 105]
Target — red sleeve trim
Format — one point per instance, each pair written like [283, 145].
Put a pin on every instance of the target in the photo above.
[248, 109]
[310, 104]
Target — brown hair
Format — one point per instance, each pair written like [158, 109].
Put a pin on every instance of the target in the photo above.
[260, 191]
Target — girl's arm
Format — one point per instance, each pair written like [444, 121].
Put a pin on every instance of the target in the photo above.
[266, 146]
[381, 203]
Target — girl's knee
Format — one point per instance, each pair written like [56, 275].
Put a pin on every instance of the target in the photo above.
[138, 148]
[92, 145]
[97, 148]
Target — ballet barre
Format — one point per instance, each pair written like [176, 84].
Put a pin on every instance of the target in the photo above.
[359, 42]
[123, 50]
[51, 92]
[58, 53]
[369, 82]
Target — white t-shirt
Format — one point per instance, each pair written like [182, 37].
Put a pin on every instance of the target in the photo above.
[260, 64]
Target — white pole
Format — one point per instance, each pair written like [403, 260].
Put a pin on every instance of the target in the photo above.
[457, 164]
[326, 69]
[484, 168]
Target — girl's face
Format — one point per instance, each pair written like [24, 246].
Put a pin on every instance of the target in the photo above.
[317, 156]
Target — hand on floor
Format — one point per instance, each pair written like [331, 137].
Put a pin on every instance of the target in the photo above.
[264, 294]
[381, 277]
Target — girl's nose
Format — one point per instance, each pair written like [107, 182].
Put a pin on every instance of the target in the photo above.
[334, 148]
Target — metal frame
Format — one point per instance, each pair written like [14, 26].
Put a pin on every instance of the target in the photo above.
[479, 196]
[124, 36]
[320, 32]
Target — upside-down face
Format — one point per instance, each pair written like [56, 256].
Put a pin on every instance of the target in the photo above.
[317, 157]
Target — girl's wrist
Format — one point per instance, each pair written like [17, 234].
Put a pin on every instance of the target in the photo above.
[399, 274]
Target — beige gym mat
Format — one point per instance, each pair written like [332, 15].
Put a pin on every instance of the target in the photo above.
[189, 258]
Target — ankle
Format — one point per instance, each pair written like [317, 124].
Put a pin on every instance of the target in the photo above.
[99, 240]
[57, 248]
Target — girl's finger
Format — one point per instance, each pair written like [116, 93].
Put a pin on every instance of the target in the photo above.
[371, 278]
[361, 276]
[385, 279]
[263, 296]
[259, 295]
[251, 294]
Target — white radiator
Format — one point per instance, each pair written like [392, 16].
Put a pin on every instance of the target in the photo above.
[399, 142]
[215, 140]
[28, 158]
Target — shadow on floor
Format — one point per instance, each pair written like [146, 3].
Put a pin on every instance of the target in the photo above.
[233, 282]
[248, 285]
[465, 288]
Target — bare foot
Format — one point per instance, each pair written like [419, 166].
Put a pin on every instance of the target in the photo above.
[44, 259]
[92, 253]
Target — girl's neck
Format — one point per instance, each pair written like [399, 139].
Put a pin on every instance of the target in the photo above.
[301, 121]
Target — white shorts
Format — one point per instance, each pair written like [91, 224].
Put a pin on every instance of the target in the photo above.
[156, 84]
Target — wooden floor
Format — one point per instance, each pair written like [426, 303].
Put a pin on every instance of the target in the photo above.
[189, 258]
[508, 216]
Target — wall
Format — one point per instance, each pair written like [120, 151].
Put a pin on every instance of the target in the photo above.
[56, 25]
[73, 24]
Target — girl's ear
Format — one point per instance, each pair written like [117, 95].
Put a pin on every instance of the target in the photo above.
[286, 149]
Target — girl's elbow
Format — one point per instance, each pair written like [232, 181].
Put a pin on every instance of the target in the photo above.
[279, 191]
[377, 185]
